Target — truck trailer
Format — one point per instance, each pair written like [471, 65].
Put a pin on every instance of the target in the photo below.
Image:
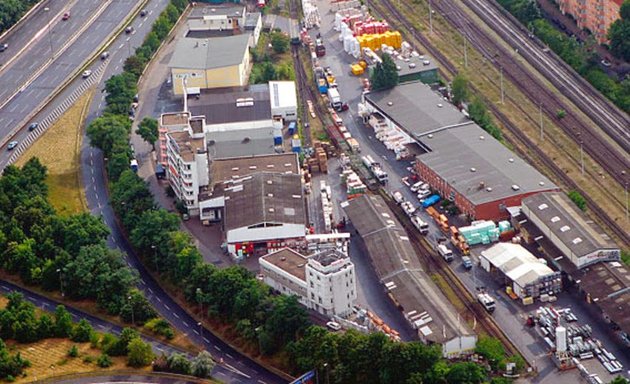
[335, 98]
[376, 169]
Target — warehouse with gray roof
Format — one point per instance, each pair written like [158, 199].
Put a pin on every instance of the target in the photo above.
[399, 269]
[484, 178]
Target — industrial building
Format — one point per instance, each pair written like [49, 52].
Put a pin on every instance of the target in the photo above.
[593, 15]
[217, 62]
[484, 179]
[263, 212]
[526, 276]
[579, 239]
[416, 68]
[283, 100]
[224, 20]
[324, 281]
[398, 267]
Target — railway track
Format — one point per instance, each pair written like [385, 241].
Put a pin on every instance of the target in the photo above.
[607, 116]
[534, 151]
[435, 264]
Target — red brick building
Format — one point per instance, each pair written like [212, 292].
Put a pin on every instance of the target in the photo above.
[455, 156]
[594, 15]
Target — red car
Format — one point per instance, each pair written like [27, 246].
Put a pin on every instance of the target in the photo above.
[66, 16]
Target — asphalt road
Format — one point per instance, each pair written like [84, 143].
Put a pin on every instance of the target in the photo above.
[235, 368]
[127, 379]
[28, 81]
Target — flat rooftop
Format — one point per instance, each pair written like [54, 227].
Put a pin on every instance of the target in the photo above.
[414, 64]
[265, 199]
[568, 224]
[483, 170]
[210, 53]
[174, 118]
[288, 260]
[200, 11]
[609, 287]
[517, 263]
[399, 269]
[251, 20]
[327, 256]
[232, 104]
[239, 143]
[234, 168]
[282, 94]
[187, 145]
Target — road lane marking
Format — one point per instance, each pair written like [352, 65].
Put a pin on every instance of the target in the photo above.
[195, 332]
[228, 355]
[186, 324]
[217, 348]
[121, 45]
[175, 314]
[160, 300]
[206, 340]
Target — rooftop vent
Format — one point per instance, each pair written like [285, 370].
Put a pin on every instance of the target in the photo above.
[541, 183]
[269, 182]
[577, 240]
[211, 142]
[440, 105]
[565, 228]
[515, 187]
[473, 169]
[252, 167]
[430, 136]
[213, 10]
[489, 189]
[390, 103]
[235, 169]
[272, 210]
[555, 219]
[482, 137]
[412, 65]
[296, 196]
[246, 140]
[287, 164]
[245, 102]
[283, 258]
[270, 165]
[543, 206]
[270, 195]
[511, 160]
[426, 62]
[398, 68]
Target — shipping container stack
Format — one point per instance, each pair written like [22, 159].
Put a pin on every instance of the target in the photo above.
[354, 185]
[327, 209]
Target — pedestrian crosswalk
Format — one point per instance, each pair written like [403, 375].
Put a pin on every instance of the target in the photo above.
[48, 121]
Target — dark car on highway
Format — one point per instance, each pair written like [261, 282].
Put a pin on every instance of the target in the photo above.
[3, 47]
[33, 127]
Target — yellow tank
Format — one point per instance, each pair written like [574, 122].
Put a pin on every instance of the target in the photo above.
[357, 70]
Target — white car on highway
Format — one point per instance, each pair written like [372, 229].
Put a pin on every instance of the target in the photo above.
[12, 145]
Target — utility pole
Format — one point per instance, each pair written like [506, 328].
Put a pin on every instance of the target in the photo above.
[465, 52]
[542, 135]
[625, 188]
[502, 89]
[581, 152]
[430, 17]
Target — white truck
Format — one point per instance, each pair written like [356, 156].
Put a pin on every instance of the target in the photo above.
[375, 169]
[335, 98]
[420, 225]
[487, 302]
[445, 252]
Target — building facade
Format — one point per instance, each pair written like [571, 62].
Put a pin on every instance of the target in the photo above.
[324, 281]
[594, 15]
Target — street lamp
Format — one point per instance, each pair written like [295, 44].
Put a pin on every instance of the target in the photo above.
[200, 329]
[327, 373]
[131, 306]
[60, 272]
[199, 294]
[157, 268]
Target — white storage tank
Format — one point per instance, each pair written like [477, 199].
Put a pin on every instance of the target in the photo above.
[561, 339]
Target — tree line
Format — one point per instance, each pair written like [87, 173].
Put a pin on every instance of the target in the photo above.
[12, 10]
[581, 56]
[271, 324]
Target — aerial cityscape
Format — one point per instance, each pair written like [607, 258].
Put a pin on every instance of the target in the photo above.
[315, 191]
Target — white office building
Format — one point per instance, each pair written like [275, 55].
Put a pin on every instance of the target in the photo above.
[324, 281]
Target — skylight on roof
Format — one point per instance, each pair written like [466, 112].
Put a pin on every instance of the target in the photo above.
[577, 240]
[565, 228]
[543, 206]
[555, 219]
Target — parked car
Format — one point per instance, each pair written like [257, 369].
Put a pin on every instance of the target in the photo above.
[12, 145]
[398, 197]
[606, 63]
[423, 193]
[104, 55]
[33, 127]
[87, 74]
[467, 262]
[129, 30]
[143, 13]
[333, 325]
[409, 208]
[66, 16]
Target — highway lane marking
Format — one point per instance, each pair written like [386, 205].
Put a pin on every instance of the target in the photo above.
[115, 69]
[206, 340]
[186, 324]
[217, 348]
[175, 314]
[261, 382]
[121, 45]
[150, 290]
[166, 306]
[228, 355]
[158, 299]
[221, 373]
[5, 288]
[195, 331]
[237, 371]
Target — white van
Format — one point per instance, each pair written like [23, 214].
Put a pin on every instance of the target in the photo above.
[445, 252]
[420, 225]
[398, 197]
[487, 301]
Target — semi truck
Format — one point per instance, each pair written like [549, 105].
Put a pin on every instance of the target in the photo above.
[335, 98]
[420, 225]
[487, 302]
[376, 169]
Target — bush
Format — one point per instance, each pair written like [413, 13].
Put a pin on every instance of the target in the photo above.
[73, 351]
[578, 199]
[82, 332]
[140, 353]
[104, 361]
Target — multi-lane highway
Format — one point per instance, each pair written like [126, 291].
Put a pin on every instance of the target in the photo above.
[36, 71]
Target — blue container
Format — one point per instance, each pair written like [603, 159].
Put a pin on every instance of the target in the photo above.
[277, 136]
[292, 128]
[429, 201]
[296, 146]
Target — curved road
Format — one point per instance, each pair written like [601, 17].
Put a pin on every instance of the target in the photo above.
[236, 368]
